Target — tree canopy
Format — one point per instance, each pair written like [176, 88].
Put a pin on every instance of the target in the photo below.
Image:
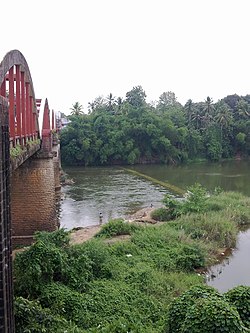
[130, 130]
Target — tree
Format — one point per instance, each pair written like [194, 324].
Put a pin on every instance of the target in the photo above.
[196, 118]
[96, 105]
[119, 103]
[208, 111]
[167, 99]
[110, 102]
[76, 109]
[189, 108]
[223, 115]
[136, 97]
[243, 109]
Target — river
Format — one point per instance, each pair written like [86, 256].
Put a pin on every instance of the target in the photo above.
[117, 193]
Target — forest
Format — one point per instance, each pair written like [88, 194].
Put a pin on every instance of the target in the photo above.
[131, 131]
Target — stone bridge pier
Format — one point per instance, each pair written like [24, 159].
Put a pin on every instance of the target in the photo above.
[33, 198]
[35, 189]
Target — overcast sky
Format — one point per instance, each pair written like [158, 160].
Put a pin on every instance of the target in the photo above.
[79, 49]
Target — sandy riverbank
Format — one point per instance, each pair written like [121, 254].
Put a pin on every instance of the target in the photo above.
[83, 234]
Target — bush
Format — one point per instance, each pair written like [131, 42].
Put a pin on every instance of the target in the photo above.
[65, 302]
[173, 206]
[179, 307]
[106, 302]
[235, 206]
[77, 270]
[60, 238]
[161, 214]
[239, 297]
[41, 263]
[117, 227]
[212, 315]
[97, 252]
[123, 325]
[195, 201]
[210, 227]
[30, 317]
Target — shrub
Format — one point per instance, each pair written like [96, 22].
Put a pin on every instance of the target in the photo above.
[123, 325]
[60, 238]
[65, 302]
[41, 263]
[161, 214]
[212, 315]
[213, 227]
[189, 257]
[97, 253]
[179, 307]
[239, 297]
[117, 227]
[30, 317]
[235, 206]
[106, 302]
[173, 206]
[78, 269]
[195, 201]
[167, 250]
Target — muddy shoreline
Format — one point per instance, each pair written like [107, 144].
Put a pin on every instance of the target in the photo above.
[85, 233]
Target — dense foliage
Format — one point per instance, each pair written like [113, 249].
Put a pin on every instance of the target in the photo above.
[133, 285]
[132, 131]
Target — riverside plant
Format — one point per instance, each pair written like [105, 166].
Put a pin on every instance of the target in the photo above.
[202, 308]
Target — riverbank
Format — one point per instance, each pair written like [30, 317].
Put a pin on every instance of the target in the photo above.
[80, 235]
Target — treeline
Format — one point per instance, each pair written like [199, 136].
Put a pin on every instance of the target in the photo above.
[130, 131]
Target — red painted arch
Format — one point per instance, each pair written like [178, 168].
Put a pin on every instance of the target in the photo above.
[16, 85]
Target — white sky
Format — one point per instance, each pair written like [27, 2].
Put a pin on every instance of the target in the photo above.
[79, 49]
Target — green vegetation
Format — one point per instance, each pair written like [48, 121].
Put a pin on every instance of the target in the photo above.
[239, 297]
[161, 214]
[146, 283]
[203, 307]
[117, 227]
[132, 131]
[18, 149]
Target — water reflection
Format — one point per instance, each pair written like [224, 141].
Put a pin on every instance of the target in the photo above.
[229, 175]
[234, 270]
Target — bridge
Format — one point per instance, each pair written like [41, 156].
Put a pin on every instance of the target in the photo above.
[29, 171]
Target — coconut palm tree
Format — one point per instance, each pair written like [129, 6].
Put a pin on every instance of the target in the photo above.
[110, 102]
[76, 109]
[189, 110]
[223, 115]
[208, 110]
[243, 109]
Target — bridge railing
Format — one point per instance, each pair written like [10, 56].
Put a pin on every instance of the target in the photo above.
[16, 85]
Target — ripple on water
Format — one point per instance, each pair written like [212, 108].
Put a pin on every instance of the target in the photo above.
[111, 191]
